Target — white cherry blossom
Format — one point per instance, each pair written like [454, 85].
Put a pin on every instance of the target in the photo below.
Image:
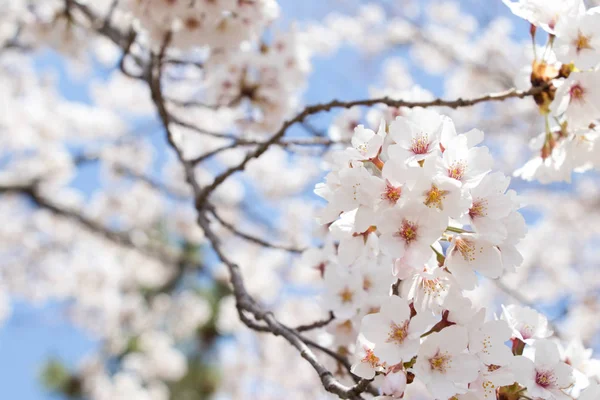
[546, 377]
[395, 335]
[443, 364]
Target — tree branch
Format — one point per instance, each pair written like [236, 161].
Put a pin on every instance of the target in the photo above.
[324, 107]
[249, 237]
[125, 239]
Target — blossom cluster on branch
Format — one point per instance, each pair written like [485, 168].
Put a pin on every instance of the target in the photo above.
[420, 215]
[167, 204]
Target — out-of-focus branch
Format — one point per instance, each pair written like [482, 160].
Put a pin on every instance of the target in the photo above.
[316, 324]
[121, 238]
[523, 301]
[244, 302]
[324, 107]
[250, 238]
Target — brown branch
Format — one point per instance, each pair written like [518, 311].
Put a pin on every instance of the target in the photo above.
[324, 107]
[126, 51]
[245, 303]
[214, 152]
[121, 238]
[316, 324]
[249, 237]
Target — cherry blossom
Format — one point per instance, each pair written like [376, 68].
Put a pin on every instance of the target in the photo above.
[578, 40]
[408, 232]
[395, 335]
[576, 99]
[546, 377]
[526, 323]
[444, 366]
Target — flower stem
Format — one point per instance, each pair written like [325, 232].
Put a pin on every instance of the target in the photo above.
[457, 230]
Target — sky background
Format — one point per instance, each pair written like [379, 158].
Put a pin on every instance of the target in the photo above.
[33, 334]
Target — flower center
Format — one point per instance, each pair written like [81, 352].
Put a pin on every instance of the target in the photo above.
[489, 389]
[370, 358]
[583, 42]
[345, 327]
[457, 170]
[478, 209]
[346, 295]
[577, 92]
[434, 197]
[526, 331]
[440, 362]
[432, 287]
[362, 148]
[397, 333]
[545, 378]
[492, 367]
[466, 249]
[407, 232]
[192, 23]
[367, 284]
[392, 193]
[420, 144]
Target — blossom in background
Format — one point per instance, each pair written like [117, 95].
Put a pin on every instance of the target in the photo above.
[546, 376]
[526, 323]
[578, 40]
[577, 99]
[545, 13]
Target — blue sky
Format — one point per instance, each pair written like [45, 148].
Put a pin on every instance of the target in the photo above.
[33, 334]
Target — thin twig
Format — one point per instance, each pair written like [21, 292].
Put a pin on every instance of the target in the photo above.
[121, 238]
[249, 237]
[324, 107]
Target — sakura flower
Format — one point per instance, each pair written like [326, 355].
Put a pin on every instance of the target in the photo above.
[490, 205]
[467, 165]
[344, 331]
[394, 384]
[313, 263]
[366, 143]
[355, 234]
[440, 193]
[469, 253]
[343, 291]
[374, 282]
[545, 13]
[546, 377]
[580, 358]
[345, 191]
[408, 232]
[546, 168]
[578, 99]
[427, 288]
[578, 41]
[344, 124]
[526, 323]
[416, 136]
[367, 362]
[395, 334]
[490, 378]
[516, 230]
[443, 365]
[487, 340]
[392, 187]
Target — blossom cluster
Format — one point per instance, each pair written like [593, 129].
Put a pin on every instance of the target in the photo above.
[417, 216]
[569, 63]
[218, 24]
[262, 86]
